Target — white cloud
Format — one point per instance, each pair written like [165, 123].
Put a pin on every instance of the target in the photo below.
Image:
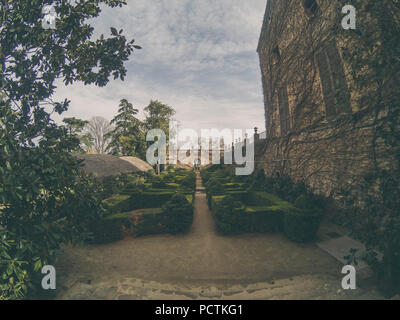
[198, 56]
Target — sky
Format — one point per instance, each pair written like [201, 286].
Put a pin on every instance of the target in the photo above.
[198, 56]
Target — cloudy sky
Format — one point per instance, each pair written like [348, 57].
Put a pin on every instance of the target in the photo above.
[198, 56]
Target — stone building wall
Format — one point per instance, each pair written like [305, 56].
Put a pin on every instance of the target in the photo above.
[318, 125]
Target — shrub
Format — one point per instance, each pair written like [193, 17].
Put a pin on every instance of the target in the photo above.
[150, 199]
[147, 222]
[118, 203]
[239, 195]
[159, 184]
[260, 177]
[376, 221]
[228, 215]
[259, 198]
[263, 219]
[32, 238]
[189, 181]
[177, 214]
[302, 225]
[105, 231]
[307, 202]
[235, 216]
[213, 188]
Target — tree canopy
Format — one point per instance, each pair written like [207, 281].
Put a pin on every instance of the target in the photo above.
[127, 138]
[42, 201]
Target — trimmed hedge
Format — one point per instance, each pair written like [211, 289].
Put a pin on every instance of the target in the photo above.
[118, 203]
[174, 217]
[260, 212]
[177, 214]
[106, 230]
[149, 199]
[228, 215]
[259, 206]
[302, 226]
[263, 219]
[147, 222]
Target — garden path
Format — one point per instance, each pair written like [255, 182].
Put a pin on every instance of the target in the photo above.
[202, 264]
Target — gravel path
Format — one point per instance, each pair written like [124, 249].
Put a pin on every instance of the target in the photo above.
[201, 264]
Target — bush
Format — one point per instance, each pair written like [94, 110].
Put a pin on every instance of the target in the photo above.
[213, 188]
[177, 214]
[105, 231]
[189, 181]
[150, 199]
[302, 226]
[263, 219]
[376, 221]
[118, 203]
[148, 222]
[32, 238]
[260, 177]
[307, 202]
[159, 184]
[259, 198]
[228, 215]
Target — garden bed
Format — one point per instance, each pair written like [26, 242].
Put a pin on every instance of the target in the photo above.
[159, 205]
[245, 206]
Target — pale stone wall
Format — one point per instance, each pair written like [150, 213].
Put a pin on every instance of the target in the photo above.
[328, 137]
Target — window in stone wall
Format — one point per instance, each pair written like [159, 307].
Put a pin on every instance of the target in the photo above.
[276, 55]
[333, 81]
[284, 114]
[310, 7]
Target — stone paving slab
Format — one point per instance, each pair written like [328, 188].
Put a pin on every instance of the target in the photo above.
[341, 246]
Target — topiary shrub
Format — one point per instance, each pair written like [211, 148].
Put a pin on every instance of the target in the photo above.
[150, 198]
[214, 188]
[177, 214]
[118, 203]
[147, 222]
[263, 219]
[302, 225]
[228, 215]
[189, 181]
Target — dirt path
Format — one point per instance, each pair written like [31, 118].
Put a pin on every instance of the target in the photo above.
[200, 264]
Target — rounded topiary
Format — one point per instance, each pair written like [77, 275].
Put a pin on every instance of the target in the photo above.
[302, 226]
[304, 202]
[228, 216]
[178, 214]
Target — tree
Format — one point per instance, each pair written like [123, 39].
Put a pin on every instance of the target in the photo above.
[44, 201]
[158, 116]
[97, 129]
[75, 129]
[127, 139]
